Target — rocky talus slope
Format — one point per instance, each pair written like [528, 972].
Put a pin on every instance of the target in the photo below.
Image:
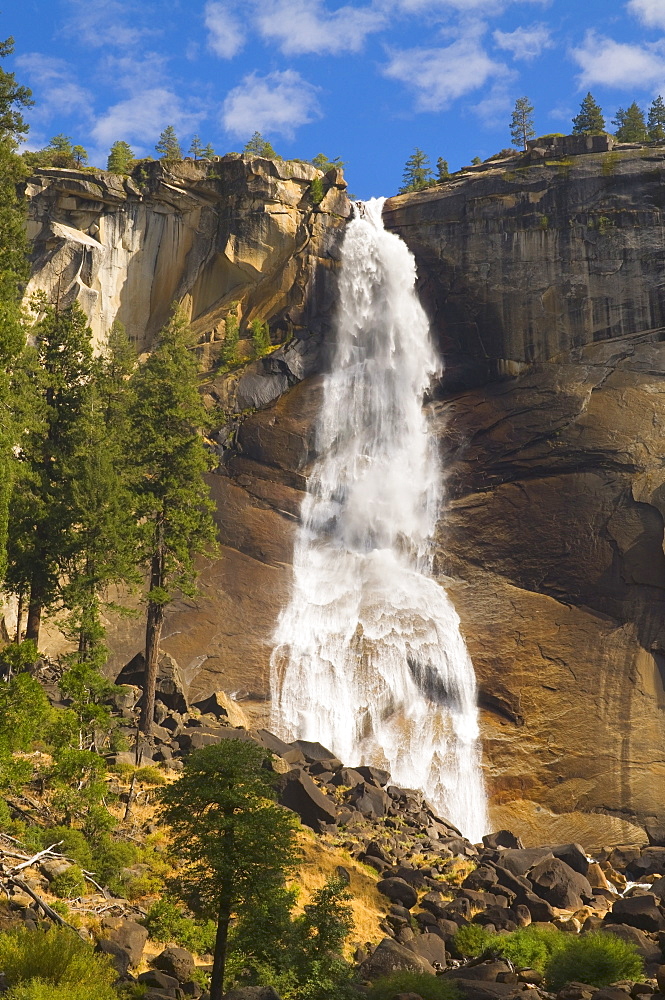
[543, 278]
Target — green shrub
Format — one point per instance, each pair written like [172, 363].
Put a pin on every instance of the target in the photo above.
[427, 986]
[167, 922]
[229, 352]
[58, 958]
[150, 775]
[596, 958]
[68, 884]
[528, 947]
[71, 843]
[472, 940]
[260, 338]
[316, 191]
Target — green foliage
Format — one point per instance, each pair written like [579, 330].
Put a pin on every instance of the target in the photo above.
[196, 148]
[166, 922]
[476, 161]
[630, 123]
[13, 98]
[208, 152]
[596, 958]
[69, 884]
[260, 338]
[529, 947]
[168, 146]
[41, 989]
[521, 122]
[258, 146]
[72, 843]
[323, 163]
[472, 940]
[120, 158]
[24, 713]
[426, 986]
[590, 120]
[316, 191]
[656, 120]
[327, 920]
[57, 957]
[80, 156]
[417, 173]
[229, 352]
[442, 171]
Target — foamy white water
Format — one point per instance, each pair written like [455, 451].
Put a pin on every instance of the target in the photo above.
[369, 659]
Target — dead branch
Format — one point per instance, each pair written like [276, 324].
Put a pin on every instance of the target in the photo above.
[49, 911]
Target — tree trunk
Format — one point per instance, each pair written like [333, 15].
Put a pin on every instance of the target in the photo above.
[34, 617]
[153, 633]
[221, 938]
[19, 618]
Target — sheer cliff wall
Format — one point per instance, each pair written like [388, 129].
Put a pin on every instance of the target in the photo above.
[544, 282]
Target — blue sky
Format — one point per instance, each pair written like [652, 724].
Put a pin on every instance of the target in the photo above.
[366, 81]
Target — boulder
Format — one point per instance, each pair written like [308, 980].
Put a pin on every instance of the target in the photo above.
[129, 935]
[176, 962]
[483, 878]
[169, 688]
[502, 918]
[557, 883]
[520, 861]
[313, 752]
[375, 775]
[645, 947]
[348, 777]
[650, 862]
[637, 911]
[223, 707]
[118, 955]
[574, 856]
[398, 891]
[158, 980]
[502, 838]
[298, 792]
[390, 956]
[431, 947]
[370, 800]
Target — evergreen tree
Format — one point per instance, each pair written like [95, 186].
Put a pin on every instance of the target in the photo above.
[323, 163]
[656, 120]
[43, 508]
[417, 173]
[476, 161]
[590, 120]
[521, 122]
[443, 173]
[236, 843]
[168, 146]
[80, 156]
[229, 352]
[258, 146]
[208, 152]
[14, 270]
[174, 506]
[120, 158]
[196, 148]
[260, 338]
[59, 152]
[631, 126]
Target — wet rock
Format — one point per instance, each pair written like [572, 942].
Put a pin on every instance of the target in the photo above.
[313, 752]
[375, 775]
[573, 855]
[370, 801]
[650, 862]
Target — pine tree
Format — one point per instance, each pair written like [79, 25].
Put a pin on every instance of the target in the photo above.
[229, 352]
[417, 173]
[237, 845]
[521, 123]
[14, 270]
[443, 173]
[590, 120]
[174, 506]
[323, 163]
[168, 145]
[631, 126]
[196, 148]
[656, 121]
[208, 152]
[59, 152]
[120, 158]
[43, 509]
[80, 156]
[258, 146]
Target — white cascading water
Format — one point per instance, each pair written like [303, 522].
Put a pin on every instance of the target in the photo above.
[369, 659]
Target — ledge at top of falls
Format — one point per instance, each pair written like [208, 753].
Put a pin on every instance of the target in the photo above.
[527, 258]
[205, 233]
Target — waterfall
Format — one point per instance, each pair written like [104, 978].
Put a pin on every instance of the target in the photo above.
[369, 659]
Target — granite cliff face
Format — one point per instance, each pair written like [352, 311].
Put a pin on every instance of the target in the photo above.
[544, 283]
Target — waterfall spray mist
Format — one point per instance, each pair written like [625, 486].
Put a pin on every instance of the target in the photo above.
[369, 658]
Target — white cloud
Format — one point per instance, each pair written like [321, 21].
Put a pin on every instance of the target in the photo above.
[104, 23]
[524, 43]
[494, 109]
[440, 75]
[139, 119]
[619, 64]
[650, 12]
[54, 81]
[134, 73]
[225, 35]
[464, 6]
[301, 26]
[276, 104]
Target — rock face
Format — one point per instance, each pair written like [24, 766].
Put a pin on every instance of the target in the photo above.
[236, 230]
[551, 540]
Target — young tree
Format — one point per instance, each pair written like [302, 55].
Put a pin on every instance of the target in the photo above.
[173, 502]
[521, 122]
[323, 163]
[590, 120]
[417, 173]
[208, 152]
[59, 152]
[443, 173]
[258, 146]
[656, 120]
[80, 156]
[631, 126]
[237, 845]
[120, 158]
[168, 146]
[196, 148]
[476, 161]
